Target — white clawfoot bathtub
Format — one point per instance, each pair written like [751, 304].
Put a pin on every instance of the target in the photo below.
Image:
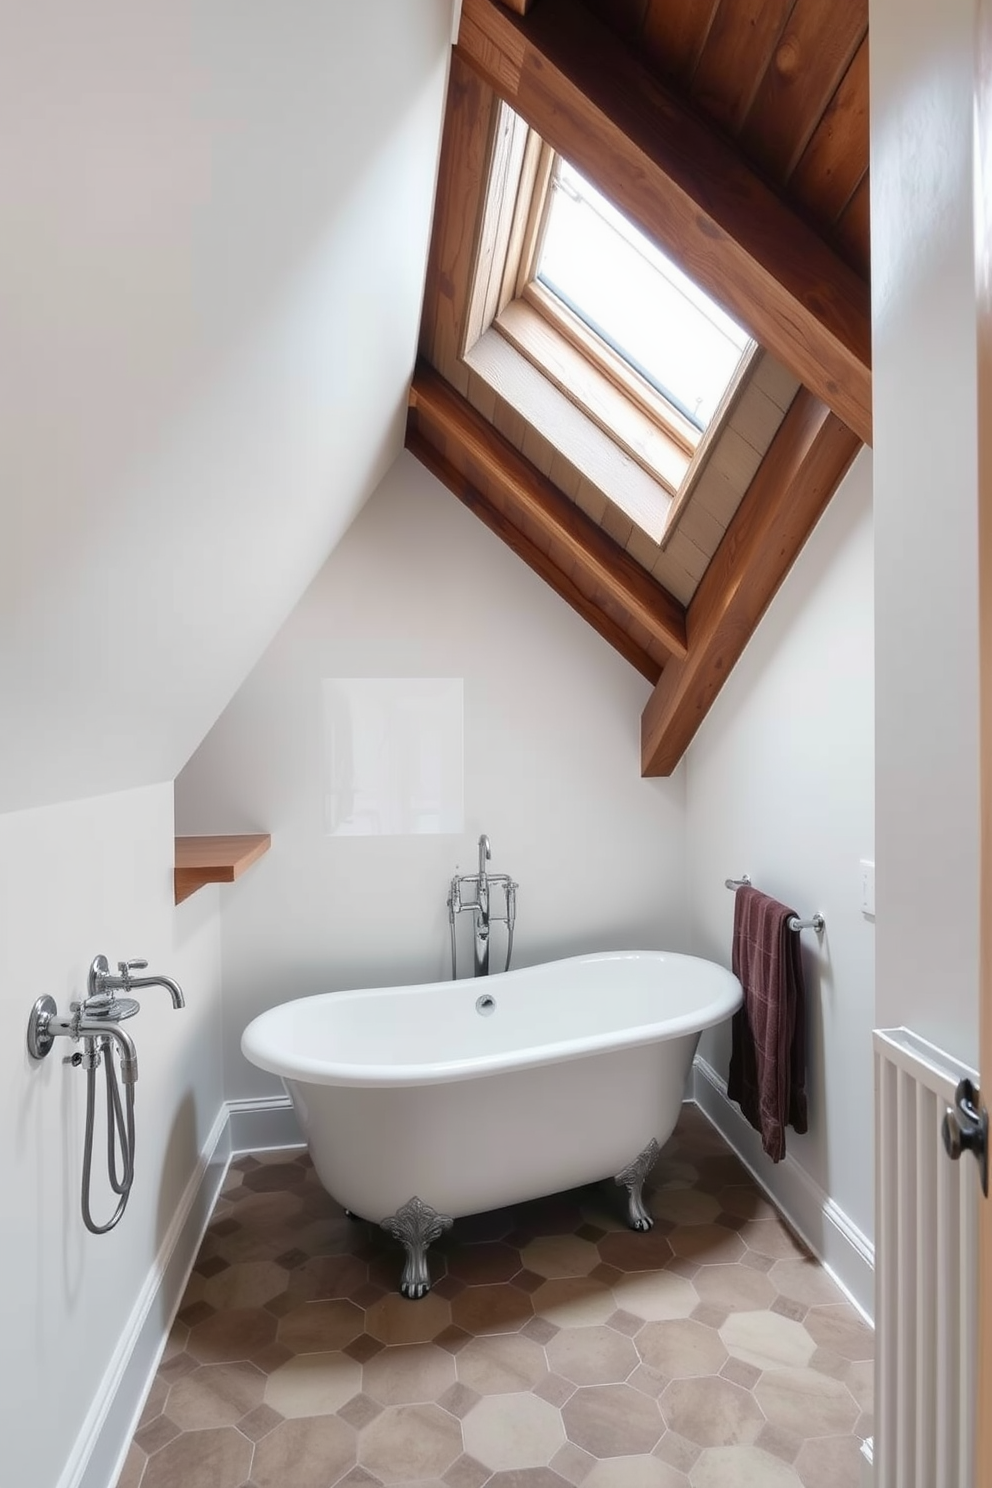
[474, 1094]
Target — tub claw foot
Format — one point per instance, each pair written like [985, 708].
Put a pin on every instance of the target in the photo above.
[632, 1179]
[415, 1224]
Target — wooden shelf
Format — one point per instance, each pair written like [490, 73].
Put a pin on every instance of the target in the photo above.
[203, 860]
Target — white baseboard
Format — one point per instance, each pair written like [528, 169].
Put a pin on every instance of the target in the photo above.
[831, 1235]
[263, 1124]
[101, 1446]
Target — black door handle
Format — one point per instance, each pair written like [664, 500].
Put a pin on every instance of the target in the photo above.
[965, 1128]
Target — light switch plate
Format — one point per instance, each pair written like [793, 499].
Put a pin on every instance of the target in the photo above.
[867, 888]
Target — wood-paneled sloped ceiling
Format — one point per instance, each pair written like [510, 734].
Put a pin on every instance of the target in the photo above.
[735, 134]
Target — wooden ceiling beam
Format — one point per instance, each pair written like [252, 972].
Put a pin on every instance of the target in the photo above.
[687, 187]
[541, 564]
[450, 423]
[804, 464]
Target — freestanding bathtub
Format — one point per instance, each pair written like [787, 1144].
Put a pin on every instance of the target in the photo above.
[421, 1104]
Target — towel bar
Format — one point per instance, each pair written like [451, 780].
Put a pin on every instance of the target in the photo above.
[817, 923]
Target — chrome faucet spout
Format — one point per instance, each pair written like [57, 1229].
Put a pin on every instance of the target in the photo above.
[173, 988]
[484, 855]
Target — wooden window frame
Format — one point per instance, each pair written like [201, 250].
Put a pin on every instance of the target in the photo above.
[505, 296]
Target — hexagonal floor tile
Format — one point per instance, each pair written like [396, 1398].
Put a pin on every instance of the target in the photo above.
[595, 1355]
[313, 1384]
[711, 1412]
[410, 1441]
[247, 1284]
[681, 1348]
[560, 1255]
[513, 1431]
[202, 1459]
[839, 1329]
[656, 1297]
[500, 1364]
[806, 1402]
[230, 1335]
[767, 1340]
[310, 1452]
[491, 1309]
[741, 1467]
[634, 1472]
[409, 1373]
[612, 1421]
[215, 1395]
[318, 1327]
[574, 1301]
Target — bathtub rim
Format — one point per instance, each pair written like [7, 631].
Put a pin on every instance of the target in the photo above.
[257, 1040]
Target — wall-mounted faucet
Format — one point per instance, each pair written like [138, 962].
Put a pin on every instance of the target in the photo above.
[95, 1020]
[480, 908]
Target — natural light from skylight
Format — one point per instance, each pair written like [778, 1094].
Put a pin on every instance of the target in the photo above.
[636, 300]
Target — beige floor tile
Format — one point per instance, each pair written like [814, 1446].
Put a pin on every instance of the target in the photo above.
[501, 1364]
[313, 1384]
[833, 1463]
[806, 1402]
[805, 1281]
[711, 1412]
[681, 1347]
[735, 1288]
[574, 1301]
[311, 1452]
[513, 1431]
[860, 1380]
[684, 1206]
[612, 1421]
[250, 1284]
[655, 1297]
[409, 1373]
[770, 1237]
[410, 1441]
[635, 1472]
[707, 1244]
[491, 1309]
[230, 1335]
[767, 1340]
[316, 1327]
[839, 1329]
[215, 1395]
[742, 1467]
[202, 1459]
[395, 1319]
[592, 1356]
[560, 1255]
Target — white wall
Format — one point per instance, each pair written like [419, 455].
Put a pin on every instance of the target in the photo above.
[216, 217]
[418, 587]
[76, 881]
[779, 785]
[925, 519]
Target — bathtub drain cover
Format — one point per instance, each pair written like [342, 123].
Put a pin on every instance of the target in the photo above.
[485, 1004]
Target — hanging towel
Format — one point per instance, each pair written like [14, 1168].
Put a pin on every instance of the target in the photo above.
[768, 1055]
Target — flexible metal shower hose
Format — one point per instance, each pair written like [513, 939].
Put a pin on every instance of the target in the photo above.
[120, 1128]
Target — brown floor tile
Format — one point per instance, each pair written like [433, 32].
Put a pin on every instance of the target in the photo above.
[201, 1459]
[308, 1453]
[557, 1347]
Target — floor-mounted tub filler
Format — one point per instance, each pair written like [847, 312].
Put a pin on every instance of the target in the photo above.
[422, 1104]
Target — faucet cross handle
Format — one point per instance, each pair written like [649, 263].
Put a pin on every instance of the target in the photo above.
[125, 969]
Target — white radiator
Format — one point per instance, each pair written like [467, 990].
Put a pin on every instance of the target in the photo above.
[926, 1272]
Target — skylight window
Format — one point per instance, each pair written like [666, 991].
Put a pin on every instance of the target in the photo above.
[631, 296]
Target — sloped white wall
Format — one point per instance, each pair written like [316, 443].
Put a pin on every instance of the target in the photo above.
[925, 414]
[418, 587]
[780, 785]
[216, 217]
[92, 877]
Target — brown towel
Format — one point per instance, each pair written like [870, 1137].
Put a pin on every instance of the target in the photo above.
[768, 1056]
